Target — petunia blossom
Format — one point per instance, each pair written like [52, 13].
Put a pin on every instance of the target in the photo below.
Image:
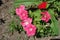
[20, 9]
[43, 5]
[23, 15]
[30, 30]
[45, 16]
[24, 23]
[21, 12]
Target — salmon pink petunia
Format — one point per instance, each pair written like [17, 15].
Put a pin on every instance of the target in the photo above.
[45, 16]
[30, 30]
[43, 5]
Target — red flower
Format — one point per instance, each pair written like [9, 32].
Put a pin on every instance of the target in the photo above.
[42, 5]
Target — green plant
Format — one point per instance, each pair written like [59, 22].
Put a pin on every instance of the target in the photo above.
[43, 28]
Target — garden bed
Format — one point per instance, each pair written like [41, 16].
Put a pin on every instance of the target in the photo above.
[6, 18]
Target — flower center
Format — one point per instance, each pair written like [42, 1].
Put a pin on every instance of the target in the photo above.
[45, 16]
[30, 29]
[23, 14]
[26, 23]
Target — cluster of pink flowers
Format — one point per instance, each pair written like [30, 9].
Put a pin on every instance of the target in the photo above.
[26, 21]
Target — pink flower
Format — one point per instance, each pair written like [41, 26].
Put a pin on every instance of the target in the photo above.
[21, 12]
[23, 15]
[30, 30]
[45, 16]
[20, 9]
[24, 23]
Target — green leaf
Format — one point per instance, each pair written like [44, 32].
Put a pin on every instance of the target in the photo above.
[50, 1]
[26, 2]
[15, 26]
[12, 26]
[54, 24]
[36, 20]
[48, 5]
[37, 14]
[30, 14]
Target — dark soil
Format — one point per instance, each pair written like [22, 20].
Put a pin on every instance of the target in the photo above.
[5, 19]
